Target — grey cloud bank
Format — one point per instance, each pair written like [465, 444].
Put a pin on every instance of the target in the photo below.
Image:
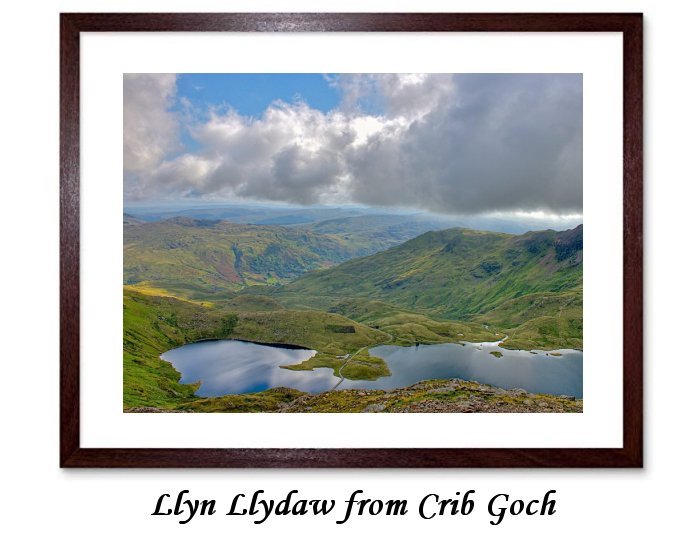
[445, 143]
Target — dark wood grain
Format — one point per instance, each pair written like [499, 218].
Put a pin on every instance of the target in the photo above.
[349, 458]
[629, 455]
[352, 22]
[633, 240]
[70, 239]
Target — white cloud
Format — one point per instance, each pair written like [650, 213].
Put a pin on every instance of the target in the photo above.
[464, 143]
[150, 129]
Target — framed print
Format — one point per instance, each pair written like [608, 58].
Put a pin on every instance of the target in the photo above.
[351, 240]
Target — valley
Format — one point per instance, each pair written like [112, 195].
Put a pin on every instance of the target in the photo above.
[341, 286]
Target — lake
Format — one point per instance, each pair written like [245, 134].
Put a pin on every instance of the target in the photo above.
[231, 366]
[537, 372]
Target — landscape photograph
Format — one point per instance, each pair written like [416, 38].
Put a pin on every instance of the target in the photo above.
[353, 243]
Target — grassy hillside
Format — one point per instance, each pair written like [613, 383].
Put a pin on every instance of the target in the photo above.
[527, 286]
[202, 259]
[540, 321]
[210, 259]
[155, 324]
[409, 328]
[370, 234]
[454, 273]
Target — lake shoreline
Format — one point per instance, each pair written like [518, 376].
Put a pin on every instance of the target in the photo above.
[257, 343]
[228, 367]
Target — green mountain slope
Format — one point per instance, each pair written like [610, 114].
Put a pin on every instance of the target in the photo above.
[454, 273]
[369, 234]
[209, 259]
[155, 324]
[202, 259]
[526, 286]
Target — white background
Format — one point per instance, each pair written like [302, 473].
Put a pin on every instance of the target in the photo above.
[40, 501]
[104, 59]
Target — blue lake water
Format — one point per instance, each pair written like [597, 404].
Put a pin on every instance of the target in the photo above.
[231, 366]
[537, 372]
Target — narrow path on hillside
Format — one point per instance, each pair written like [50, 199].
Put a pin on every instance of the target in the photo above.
[340, 370]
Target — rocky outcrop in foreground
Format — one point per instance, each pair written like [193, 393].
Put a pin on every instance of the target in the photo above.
[435, 396]
[429, 396]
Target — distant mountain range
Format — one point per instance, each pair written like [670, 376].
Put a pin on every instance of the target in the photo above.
[379, 270]
[261, 214]
[198, 257]
[530, 286]
[455, 273]
[210, 257]
[256, 215]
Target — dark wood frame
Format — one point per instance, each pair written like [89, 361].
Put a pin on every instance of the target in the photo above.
[72, 455]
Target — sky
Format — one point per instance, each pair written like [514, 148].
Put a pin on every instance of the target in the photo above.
[459, 144]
